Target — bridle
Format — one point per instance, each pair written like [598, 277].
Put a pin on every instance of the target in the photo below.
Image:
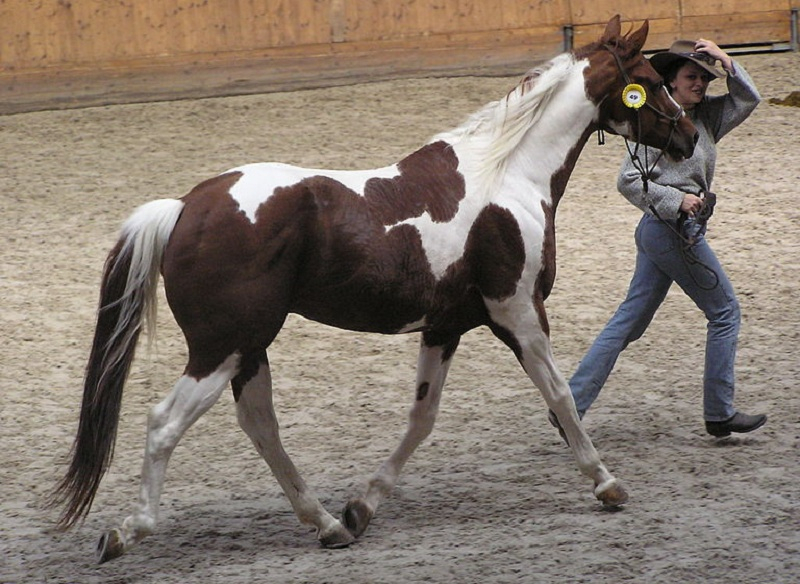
[644, 168]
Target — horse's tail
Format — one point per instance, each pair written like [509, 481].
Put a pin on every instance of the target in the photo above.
[127, 300]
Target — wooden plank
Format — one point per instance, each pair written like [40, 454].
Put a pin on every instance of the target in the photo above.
[370, 20]
[598, 12]
[494, 53]
[740, 29]
[338, 21]
[470, 16]
[711, 8]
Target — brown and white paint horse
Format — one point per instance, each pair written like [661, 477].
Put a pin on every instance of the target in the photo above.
[456, 235]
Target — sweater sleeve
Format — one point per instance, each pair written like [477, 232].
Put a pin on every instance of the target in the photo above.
[727, 111]
[666, 200]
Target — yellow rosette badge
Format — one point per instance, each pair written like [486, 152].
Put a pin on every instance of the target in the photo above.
[634, 96]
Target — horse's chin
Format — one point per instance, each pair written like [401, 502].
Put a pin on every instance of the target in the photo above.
[679, 157]
[678, 154]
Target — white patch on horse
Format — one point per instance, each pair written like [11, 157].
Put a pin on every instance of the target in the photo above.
[444, 243]
[624, 129]
[259, 181]
[412, 327]
[493, 149]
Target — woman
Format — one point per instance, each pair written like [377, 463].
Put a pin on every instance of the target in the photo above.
[674, 208]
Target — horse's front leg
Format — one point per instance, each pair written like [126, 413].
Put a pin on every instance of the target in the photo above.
[523, 330]
[256, 416]
[432, 366]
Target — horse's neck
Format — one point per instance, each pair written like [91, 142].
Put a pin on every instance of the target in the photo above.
[548, 170]
[547, 155]
[526, 147]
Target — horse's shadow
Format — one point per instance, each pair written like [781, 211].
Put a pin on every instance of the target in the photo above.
[213, 532]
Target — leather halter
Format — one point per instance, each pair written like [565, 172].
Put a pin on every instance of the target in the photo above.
[643, 167]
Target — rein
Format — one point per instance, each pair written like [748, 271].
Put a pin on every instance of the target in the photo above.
[687, 243]
[645, 169]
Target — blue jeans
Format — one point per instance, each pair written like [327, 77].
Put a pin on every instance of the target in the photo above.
[659, 262]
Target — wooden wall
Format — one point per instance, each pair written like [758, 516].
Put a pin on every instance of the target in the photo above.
[48, 33]
[64, 53]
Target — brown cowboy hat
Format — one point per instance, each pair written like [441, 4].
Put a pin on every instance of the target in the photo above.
[684, 50]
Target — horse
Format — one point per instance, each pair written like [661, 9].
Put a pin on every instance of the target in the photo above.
[456, 235]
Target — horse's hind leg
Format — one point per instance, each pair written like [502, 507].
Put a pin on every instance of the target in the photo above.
[432, 366]
[168, 422]
[256, 415]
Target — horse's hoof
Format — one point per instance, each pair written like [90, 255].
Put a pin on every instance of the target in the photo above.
[339, 537]
[110, 546]
[356, 516]
[611, 494]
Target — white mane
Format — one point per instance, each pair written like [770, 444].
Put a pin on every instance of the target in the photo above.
[495, 131]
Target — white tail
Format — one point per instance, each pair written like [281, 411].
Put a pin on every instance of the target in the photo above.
[145, 233]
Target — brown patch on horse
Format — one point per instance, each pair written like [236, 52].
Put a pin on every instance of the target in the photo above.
[356, 275]
[495, 252]
[491, 267]
[508, 338]
[429, 181]
[547, 275]
[217, 272]
[249, 365]
[492, 264]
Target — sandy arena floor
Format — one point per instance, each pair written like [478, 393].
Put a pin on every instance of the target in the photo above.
[493, 495]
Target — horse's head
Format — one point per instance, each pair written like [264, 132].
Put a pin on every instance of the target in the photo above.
[632, 99]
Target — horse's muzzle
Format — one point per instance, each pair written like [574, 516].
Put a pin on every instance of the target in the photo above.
[682, 146]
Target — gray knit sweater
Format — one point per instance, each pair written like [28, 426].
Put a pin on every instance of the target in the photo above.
[714, 117]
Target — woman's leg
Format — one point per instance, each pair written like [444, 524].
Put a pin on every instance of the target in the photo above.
[700, 275]
[648, 287]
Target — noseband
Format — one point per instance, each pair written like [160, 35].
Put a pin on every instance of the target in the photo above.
[643, 167]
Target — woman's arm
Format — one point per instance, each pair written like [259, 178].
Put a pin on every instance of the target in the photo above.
[725, 112]
[666, 200]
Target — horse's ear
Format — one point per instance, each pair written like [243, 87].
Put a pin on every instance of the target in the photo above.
[638, 38]
[611, 34]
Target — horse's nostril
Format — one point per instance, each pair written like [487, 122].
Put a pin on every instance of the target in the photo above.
[696, 138]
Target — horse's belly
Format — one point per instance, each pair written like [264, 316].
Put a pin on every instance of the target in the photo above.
[366, 306]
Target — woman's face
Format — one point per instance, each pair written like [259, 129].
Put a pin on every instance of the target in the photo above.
[690, 84]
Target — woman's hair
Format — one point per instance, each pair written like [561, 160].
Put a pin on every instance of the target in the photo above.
[672, 72]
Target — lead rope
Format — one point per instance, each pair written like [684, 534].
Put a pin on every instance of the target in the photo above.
[687, 253]
[645, 169]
